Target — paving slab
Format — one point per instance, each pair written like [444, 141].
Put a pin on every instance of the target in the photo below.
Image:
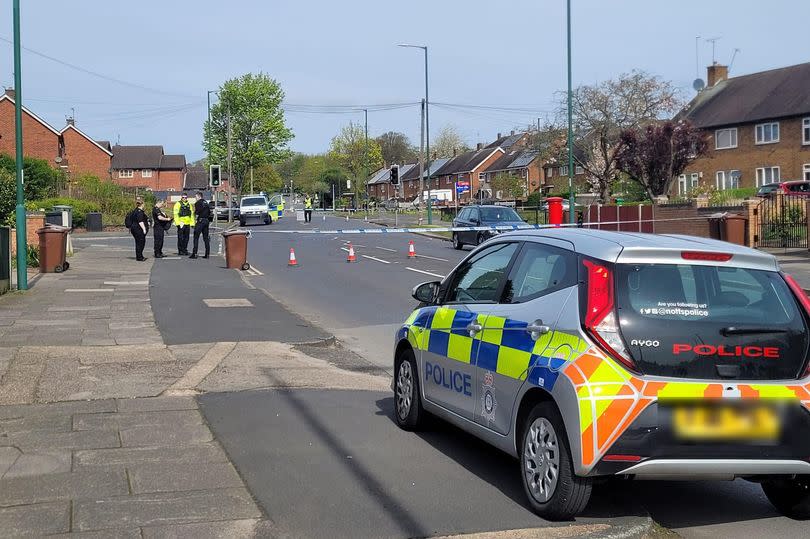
[53, 487]
[173, 476]
[125, 420]
[164, 508]
[233, 529]
[159, 436]
[8, 456]
[42, 462]
[157, 403]
[199, 454]
[31, 441]
[57, 409]
[35, 520]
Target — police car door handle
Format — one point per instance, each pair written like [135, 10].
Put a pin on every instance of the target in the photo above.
[473, 328]
[537, 328]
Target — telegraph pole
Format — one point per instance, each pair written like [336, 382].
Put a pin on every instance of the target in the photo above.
[230, 170]
[422, 156]
[571, 205]
[216, 189]
[22, 240]
[365, 159]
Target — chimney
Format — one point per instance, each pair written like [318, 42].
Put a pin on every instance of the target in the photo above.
[716, 73]
[499, 136]
[10, 92]
[71, 120]
[512, 133]
[455, 150]
[481, 145]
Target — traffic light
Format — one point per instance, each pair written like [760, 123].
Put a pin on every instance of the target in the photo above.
[214, 179]
[393, 176]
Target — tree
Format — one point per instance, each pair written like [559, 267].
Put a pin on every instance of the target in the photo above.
[448, 143]
[350, 151]
[267, 179]
[40, 178]
[655, 155]
[8, 197]
[603, 111]
[396, 148]
[258, 133]
[309, 172]
[510, 186]
[333, 177]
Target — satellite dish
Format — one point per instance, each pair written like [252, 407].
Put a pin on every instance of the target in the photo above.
[58, 159]
[698, 85]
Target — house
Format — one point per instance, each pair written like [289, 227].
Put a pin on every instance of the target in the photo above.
[757, 126]
[148, 167]
[525, 164]
[379, 186]
[512, 141]
[469, 167]
[70, 149]
[410, 180]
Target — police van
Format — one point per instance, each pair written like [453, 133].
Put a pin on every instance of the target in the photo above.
[254, 209]
[590, 354]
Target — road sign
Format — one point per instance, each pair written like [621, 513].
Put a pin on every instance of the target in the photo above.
[462, 186]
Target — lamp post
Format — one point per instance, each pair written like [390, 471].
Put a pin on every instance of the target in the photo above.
[22, 242]
[216, 191]
[427, 128]
[571, 170]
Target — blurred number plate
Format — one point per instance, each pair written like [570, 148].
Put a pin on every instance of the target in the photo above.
[723, 422]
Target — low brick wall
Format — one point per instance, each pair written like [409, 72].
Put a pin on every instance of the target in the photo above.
[33, 222]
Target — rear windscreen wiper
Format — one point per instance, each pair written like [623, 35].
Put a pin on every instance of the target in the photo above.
[750, 330]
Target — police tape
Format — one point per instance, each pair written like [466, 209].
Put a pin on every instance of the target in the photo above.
[494, 228]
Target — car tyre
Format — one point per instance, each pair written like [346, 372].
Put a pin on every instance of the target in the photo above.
[457, 242]
[242, 222]
[554, 491]
[408, 411]
[479, 239]
[790, 496]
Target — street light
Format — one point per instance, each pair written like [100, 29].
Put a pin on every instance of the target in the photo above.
[22, 242]
[571, 169]
[427, 125]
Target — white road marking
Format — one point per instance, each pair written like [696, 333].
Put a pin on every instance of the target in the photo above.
[425, 272]
[233, 302]
[433, 258]
[90, 290]
[387, 249]
[125, 283]
[171, 258]
[254, 272]
[377, 259]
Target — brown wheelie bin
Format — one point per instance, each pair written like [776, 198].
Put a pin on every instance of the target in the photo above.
[236, 249]
[734, 229]
[53, 249]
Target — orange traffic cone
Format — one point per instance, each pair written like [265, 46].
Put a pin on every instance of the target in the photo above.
[293, 261]
[351, 257]
[411, 250]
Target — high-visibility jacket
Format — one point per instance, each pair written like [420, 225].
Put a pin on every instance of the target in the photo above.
[186, 220]
[308, 203]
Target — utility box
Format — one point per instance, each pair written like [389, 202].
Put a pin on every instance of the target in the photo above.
[5, 259]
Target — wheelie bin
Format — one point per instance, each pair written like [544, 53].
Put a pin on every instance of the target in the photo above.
[53, 249]
[236, 249]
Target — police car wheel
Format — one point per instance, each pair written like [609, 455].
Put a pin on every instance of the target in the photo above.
[242, 222]
[457, 242]
[554, 491]
[480, 239]
[791, 496]
[407, 403]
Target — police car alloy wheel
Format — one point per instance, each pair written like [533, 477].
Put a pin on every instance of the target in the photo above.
[408, 406]
[553, 490]
[480, 239]
[790, 495]
[456, 241]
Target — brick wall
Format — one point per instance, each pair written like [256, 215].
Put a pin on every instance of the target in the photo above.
[161, 180]
[84, 157]
[33, 222]
[38, 140]
[790, 154]
[168, 180]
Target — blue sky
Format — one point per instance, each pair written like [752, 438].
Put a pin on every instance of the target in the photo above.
[507, 54]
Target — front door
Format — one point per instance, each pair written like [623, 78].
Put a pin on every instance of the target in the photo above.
[519, 330]
[454, 331]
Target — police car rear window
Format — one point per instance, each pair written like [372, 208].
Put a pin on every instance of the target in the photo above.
[254, 201]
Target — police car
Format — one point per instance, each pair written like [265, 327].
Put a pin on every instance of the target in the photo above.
[590, 354]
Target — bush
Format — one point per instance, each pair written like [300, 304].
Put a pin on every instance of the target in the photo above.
[32, 258]
[80, 207]
[40, 177]
[535, 199]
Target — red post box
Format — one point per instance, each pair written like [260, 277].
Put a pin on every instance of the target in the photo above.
[555, 210]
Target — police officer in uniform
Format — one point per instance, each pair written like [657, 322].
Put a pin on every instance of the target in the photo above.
[161, 222]
[202, 218]
[184, 219]
[308, 209]
[139, 226]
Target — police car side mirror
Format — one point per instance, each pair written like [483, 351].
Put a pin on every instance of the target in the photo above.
[426, 292]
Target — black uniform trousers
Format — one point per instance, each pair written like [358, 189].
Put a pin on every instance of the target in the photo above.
[308, 215]
[140, 240]
[182, 239]
[159, 232]
[202, 228]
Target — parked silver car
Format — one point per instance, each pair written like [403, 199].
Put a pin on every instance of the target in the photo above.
[589, 354]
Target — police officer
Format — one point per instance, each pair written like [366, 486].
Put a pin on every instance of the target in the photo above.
[184, 219]
[308, 209]
[161, 222]
[202, 218]
[139, 226]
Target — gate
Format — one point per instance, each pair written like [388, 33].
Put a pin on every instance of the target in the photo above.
[782, 222]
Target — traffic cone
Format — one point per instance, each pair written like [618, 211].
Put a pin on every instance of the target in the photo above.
[351, 257]
[293, 261]
[411, 250]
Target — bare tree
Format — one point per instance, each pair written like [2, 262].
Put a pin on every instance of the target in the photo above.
[396, 148]
[448, 143]
[603, 111]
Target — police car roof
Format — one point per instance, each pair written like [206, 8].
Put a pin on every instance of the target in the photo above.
[636, 247]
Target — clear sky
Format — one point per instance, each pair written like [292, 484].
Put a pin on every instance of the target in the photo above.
[506, 54]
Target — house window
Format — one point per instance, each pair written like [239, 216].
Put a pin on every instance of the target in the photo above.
[126, 173]
[806, 131]
[482, 177]
[767, 175]
[687, 182]
[725, 138]
[682, 187]
[727, 179]
[806, 172]
[767, 133]
[146, 173]
[549, 172]
[579, 170]
[564, 170]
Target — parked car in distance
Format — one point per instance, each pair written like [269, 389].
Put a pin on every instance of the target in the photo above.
[488, 215]
[254, 208]
[796, 187]
[222, 209]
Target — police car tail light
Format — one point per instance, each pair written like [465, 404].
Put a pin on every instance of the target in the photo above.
[801, 295]
[600, 315]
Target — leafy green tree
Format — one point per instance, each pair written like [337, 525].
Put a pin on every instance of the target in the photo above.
[290, 167]
[333, 177]
[40, 178]
[510, 186]
[266, 178]
[396, 148]
[258, 132]
[8, 197]
[350, 151]
[310, 171]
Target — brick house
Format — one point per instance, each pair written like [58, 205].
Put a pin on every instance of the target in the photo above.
[410, 179]
[469, 166]
[524, 164]
[148, 167]
[757, 126]
[83, 155]
[379, 186]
